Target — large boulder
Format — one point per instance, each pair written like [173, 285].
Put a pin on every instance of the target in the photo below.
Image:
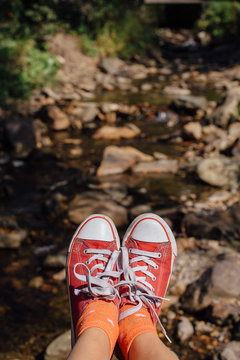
[219, 171]
[117, 160]
[217, 290]
[90, 202]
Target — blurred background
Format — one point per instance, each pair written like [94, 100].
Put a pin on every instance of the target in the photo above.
[120, 108]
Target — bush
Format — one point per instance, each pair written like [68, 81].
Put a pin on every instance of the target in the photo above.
[221, 19]
[23, 66]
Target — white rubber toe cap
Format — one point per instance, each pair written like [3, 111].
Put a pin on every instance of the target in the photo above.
[98, 227]
[149, 230]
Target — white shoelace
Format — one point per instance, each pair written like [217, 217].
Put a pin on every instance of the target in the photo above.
[101, 284]
[139, 290]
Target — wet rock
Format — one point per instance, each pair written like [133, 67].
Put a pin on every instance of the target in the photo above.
[228, 109]
[92, 202]
[55, 117]
[59, 348]
[157, 167]
[111, 66]
[20, 136]
[217, 287]
[11, 236]
[117, 160]
[114, 133]
[184, 329]
[231, 351]
[175, 91]
[219, 171]
[189, 104]
[192, 130]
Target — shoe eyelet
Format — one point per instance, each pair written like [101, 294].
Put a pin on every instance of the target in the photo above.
[84, 251]
[159, 255]
[154, 278]
[156, 267]
[130, 250]
[87, 262]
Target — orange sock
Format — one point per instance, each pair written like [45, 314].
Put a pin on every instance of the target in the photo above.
[102, 314]
[132, 326]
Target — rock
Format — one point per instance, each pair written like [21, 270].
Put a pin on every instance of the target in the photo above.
[217, 287]
[88, 112]
[228, 109]
[56, 118]
[201, 327]
[234, 129]
[20, 136]
[91, 202]
[231, 351]
[175, 91]
[146, 87]
[60, 275]
[140, 209]
[136, 71]
[219, 171]
[114, 133]
[193, 130]
[59, 348]
[184, 329]
[107, 107]
[220, 225]
[117, 160]
[55, 261]
[11, 236]
[219, 196]
[157, 167]
[189, 104]
[36, 282]
[112, 66]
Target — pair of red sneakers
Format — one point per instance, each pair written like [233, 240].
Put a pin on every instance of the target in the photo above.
[136, 273]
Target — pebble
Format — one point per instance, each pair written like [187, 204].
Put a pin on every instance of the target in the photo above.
[184, 329]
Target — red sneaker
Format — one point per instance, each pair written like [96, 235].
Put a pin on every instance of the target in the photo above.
[148, 253]
[91, 265]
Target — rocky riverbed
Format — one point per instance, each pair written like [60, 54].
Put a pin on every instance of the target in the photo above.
[159, 134]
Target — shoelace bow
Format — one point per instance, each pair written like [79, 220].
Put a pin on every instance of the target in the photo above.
[139, 290]
[101, 284]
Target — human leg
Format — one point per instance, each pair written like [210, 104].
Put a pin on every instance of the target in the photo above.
[148, 254]
[91, 280]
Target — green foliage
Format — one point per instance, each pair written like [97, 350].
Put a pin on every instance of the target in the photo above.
[221, 19]
[23, 67]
